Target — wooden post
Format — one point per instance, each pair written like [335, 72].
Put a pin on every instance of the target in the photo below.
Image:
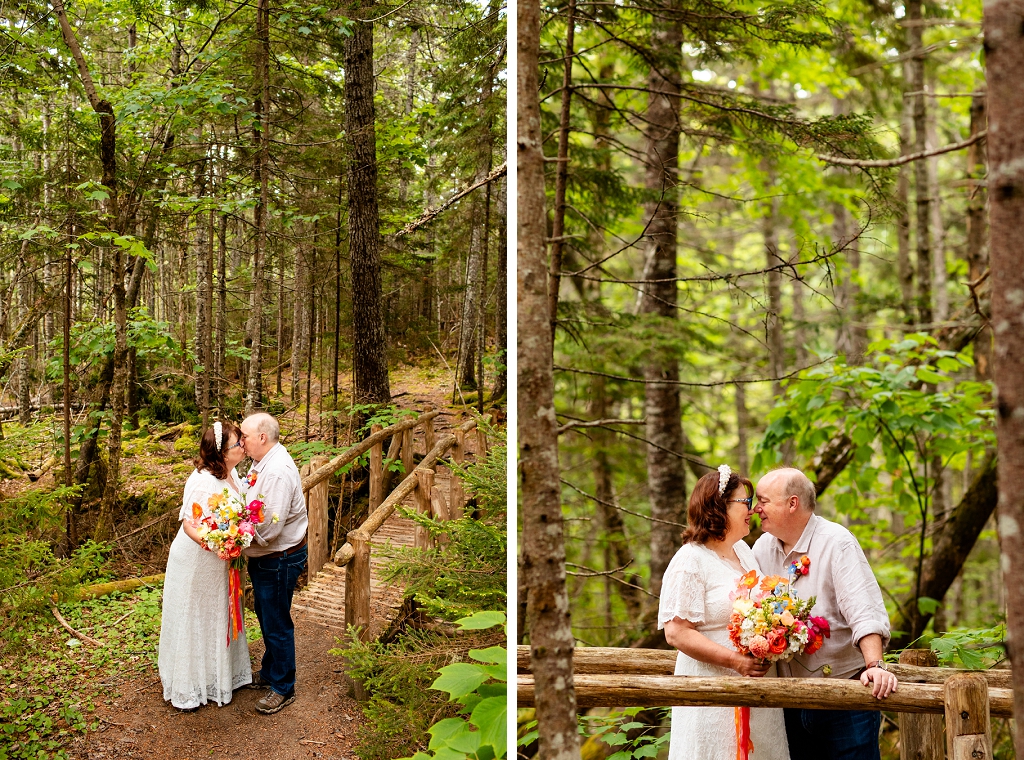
[316, 513]
[408, 463]
[438, 506]
[424, 485]
[428, 435]
[921, 736]
[481, 443]
[357, 584]
[456, 496]
[376, 472]
[968, 731]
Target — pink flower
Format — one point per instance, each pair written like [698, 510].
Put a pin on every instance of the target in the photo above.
[821, 624]
[246, 528]
[759, 647]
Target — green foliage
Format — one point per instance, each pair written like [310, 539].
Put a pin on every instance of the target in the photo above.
[377, 414]
[617, 729]
[31, 576]
[463, 576]
[480, 687]
[973, 648]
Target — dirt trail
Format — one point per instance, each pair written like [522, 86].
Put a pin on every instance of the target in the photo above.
[320, 723]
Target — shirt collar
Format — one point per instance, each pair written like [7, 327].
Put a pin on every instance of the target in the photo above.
[803, 543]
[258, 466]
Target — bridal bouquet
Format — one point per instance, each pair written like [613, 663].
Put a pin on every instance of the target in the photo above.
[771, 622]
[231, 524]
[227, 530]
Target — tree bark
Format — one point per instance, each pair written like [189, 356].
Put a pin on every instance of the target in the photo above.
[300, 320]
[204, 292]
[939, 278]
[542, 563]
[915, 82]
[501, 288]
[254, 385]
[905, 271]
[1003, 26]
[977, 258]
[773, 319]
[369, 355]
[562, 167]
[666, 481]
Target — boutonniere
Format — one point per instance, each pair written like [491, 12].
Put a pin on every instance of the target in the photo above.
[251, 478]
[799, 567]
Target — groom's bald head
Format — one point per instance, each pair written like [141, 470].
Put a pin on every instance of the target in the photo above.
[792, 482]
[260, 432]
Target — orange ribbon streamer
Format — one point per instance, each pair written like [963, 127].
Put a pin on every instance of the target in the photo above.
[744, 745]
[234, 604]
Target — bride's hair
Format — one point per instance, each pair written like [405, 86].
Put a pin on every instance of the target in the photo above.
[708, 512]
[210, 457]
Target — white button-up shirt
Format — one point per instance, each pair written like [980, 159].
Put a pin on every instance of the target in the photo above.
[279, 484]
[848, 596]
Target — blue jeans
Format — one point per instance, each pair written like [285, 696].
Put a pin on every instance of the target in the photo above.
[835, 734]
[273, 583]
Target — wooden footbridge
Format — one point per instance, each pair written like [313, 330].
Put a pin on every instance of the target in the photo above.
[347, 589]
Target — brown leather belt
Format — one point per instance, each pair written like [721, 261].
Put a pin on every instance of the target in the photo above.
[286, 552]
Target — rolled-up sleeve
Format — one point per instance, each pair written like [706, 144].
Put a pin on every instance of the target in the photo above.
[858, 594]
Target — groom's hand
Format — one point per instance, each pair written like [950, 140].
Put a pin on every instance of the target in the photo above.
[883, 682]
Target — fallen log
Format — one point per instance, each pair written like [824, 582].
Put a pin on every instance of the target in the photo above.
[808, 693]
[129, 584]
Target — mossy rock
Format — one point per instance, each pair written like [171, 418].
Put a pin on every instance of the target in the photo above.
[186, 444]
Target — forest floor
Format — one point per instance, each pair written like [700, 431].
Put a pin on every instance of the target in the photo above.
[108, 703]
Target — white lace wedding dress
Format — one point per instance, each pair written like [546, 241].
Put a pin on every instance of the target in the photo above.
[696, 587]
[195, 662]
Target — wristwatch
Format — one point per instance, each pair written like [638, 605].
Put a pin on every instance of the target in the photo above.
[880, 665]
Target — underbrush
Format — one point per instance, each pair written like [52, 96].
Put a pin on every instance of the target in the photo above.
[463, 574]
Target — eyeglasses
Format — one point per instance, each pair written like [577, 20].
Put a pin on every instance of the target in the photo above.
[236, 445]
[748, 502]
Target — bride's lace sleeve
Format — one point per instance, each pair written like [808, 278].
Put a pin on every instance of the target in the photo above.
[198, 489]
[682, 589]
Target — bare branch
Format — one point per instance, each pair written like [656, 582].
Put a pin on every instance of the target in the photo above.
[431, 214]
[891, 162]
[597, 423]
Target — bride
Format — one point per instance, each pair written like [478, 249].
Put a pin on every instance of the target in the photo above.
[197, 663]
[694, 611]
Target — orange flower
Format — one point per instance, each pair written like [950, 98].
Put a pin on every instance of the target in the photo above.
[769, 582]
[749, 580]
[197, 511]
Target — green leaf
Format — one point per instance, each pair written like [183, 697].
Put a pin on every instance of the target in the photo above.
[460, 679]
[496, 655]
[926, 605]
[489, 717]
[481, 620]
[926, 375]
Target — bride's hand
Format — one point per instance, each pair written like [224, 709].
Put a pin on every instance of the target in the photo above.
[750, 666]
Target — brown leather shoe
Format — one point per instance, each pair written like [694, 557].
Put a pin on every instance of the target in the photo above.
[257, 682]
[273, 702]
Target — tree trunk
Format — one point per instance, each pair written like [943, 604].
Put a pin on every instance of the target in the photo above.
[852, 339]
[773, 319]
[666, 481]
[501, 288]
[254, 384]
[939, 278]
[24, 313]
[542, 564]
[915, 69]
[562, 167]
[222, 302]
[1003, 26]
[204, 292]
[977, 258]
[369, 355]
[905, 271]
[300, 320]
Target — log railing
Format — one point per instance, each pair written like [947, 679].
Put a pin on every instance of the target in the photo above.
[418, 481]
[609, 677]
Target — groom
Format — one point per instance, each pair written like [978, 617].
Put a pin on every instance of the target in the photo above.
[276, 556]
[848, 597]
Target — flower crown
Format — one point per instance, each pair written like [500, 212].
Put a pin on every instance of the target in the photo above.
[724, 473]
[218, 434]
